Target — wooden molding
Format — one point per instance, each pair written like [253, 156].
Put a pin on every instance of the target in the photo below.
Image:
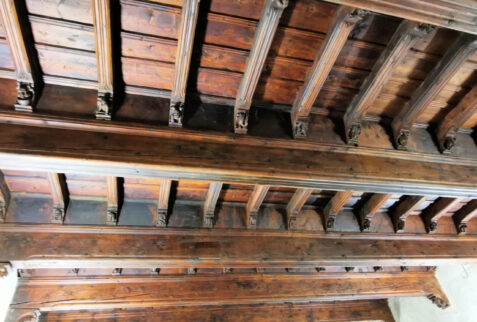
[190, 12]
[296, 203]
[59, 197]
[163, 203]
[4, 198]
[463, 215]
[253, 205]
[113, 203]
[463, 48]
[272, 11]
[333, 207]
[344, 21]
[436, 210]
[403, 39]
[104, 57]
[448, 128]
[366, 213]
[210, 202]
[404, 209]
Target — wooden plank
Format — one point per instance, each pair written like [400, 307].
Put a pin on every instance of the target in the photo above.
[294, 206]
[463, 215]
[13, 18]
[267, 26]
[403, 39]
[57, 186]
[343, 22]
[435, 81]
[369, 209]
[104, 57]
[163, 203]
[113, 202]
[253, 205]
[404, 209]
[334, 206]
[455, 119]
[4, 198]
[435, 211]
[72, 10]
[190, 12]
[210, 202]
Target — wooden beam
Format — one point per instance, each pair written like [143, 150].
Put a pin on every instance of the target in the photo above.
[366, 213]
[104, 58]
[59, 196]
[463, 48]
[296, 203]
[447, 130]
[404, 209]
[272, 11]
[463, 215]
[190, 12]
[163, 203]
[210, 203]
[15, 23]
[253, 205]
[344, 21]
[403, 39]
[113, 202]
[436, 210]
[333, 207]
[4, 198]
[458, 14]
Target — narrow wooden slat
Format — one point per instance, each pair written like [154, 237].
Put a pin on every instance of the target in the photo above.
[267, 26]
[334, 206]
[294, 206]
[463, 215]
[163, 203]
[4, 198]
[343, 22]
[190, 12]
[463, 47]
[104, 57]
[113, 202]
[404, 209]
[447, 130]
[58, 195]
[403, 39]
[435, 211]
[366, 213]
[253, 205]
[210, 202]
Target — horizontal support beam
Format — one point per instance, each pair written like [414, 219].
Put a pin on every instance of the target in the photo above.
[48, 294]
[171, 155]
[55, 246]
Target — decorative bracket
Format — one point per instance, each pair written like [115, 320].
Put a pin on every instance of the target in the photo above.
[241, 121]
[176, 113]
[104, 106]
[300, 127]
[25, 96]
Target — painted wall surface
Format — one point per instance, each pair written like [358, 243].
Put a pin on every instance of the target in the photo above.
[8, 285]
[460, 285]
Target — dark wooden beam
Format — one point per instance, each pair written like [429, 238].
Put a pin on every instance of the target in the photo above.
[253, 205]
[333, 207]
[404, 209]
[447, 130]
[59, 196]
[463, 215]
[458, 15]
[104, 58]
[403, 39]
[367, 211]
[462, 49]
[163, 203]
[190, 12]
[113, 202]
[272, 11]
[224, 289]
[436, 210]
[342, 24]
[294, 206]
[15, 23]
[4, 198]
[210, 203]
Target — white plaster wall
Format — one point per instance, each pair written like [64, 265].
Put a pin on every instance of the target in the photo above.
[459, 282]
[8, 285]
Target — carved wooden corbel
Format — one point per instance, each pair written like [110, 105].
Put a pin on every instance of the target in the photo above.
[163, 203]
[112, 212]
[295, 205]
[404, 209]
[367, 212]
[441, 302]
[435, 211]
[253, 205]
[4, 198]
[463, 215]
[59, 196]
[334, 206]
[210, 203]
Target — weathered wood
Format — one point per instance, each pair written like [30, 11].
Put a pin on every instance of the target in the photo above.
[404, 209]
[57, 186]
[267, 26]
[463, 48]
[253, 205]
[113, 202]
[4, 198]
[163, 203]
[403, 39]
[463, 215]
[210, 202]
[104, 58]
[343, 22]
[333, 207]
[294, 206]
[13, 17]
[367, 211]
[435, 211]
[447, 130]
